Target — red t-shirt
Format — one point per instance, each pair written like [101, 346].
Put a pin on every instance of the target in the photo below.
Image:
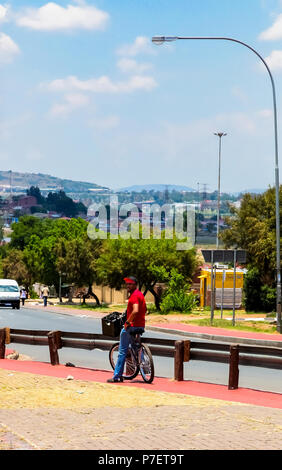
[137, 298]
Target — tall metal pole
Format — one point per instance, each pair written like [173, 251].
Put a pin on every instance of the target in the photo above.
[220, 135]
[60, 287]
[222, 293]
[161, 40]
[234, 288]
[212, 282]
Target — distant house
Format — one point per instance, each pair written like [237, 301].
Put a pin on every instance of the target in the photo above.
[237, 204]
[40, 215]
[53, 215]
[22, 204]
[26, 202]
[208, 205]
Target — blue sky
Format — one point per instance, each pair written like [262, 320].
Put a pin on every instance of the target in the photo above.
[85, 95]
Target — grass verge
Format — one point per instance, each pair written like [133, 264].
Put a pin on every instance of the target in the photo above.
[257, 327]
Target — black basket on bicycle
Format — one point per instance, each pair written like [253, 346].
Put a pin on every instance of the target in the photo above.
[112, 324]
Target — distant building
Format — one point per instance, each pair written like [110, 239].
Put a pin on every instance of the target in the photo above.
[26, 202]
[208, 205]
[40, 215]
[237, 204]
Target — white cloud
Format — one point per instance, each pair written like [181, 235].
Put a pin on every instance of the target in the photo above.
[274, 32]
[101, 85]
[141, 45]
[274, 60]
[131, 66]
[53, 17]
[3, 13]
[8, 48]
[265, 113]
[72, 102]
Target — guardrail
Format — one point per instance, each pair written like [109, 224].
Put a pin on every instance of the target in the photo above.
[181, 350]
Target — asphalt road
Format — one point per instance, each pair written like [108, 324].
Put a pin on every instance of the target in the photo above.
[200, 371]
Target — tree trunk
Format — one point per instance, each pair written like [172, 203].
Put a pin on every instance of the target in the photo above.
[70, 295]
[90, 292]
[156, 297]
[145, 291]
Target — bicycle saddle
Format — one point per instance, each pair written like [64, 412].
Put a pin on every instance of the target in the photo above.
[138, 331]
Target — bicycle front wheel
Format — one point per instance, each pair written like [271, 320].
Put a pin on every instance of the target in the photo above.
[131, 369]
[146, 364]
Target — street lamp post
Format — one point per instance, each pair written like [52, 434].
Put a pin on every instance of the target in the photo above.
[161, 40]
[220, 135]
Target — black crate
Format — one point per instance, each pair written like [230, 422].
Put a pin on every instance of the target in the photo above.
[112, 325]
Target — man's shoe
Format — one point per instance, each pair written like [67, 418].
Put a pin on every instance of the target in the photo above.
[114, 380]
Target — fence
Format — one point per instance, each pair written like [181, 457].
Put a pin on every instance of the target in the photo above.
[181, 350]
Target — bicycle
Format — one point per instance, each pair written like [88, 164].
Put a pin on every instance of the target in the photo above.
[139, 359]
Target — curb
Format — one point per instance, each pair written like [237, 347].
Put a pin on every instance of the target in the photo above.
[220, 338]
[207, 336]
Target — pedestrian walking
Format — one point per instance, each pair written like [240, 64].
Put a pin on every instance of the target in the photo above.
[23, 295]
[45, 294]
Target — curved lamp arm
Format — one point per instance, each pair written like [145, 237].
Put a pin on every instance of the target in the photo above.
[160, 40]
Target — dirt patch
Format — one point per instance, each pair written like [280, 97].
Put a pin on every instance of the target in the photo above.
[24, 390]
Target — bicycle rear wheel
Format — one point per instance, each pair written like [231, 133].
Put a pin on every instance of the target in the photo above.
[131, 369]
[146, 364]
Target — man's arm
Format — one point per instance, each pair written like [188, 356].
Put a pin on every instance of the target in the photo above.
[132, 316]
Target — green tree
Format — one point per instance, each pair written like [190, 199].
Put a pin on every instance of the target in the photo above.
[14, 268]
[35, 192]
[258, 297]
[149, 260]
[176, 297]
[77, 258]
[252, 227]
[60, 202]
[38, 240]
[57, 201]
[252, 290]
[24, 229]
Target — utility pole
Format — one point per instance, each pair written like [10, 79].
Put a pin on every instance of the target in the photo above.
[220, 135]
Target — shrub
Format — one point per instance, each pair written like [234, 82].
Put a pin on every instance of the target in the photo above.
[268, 298]
[32, 294]
[258, 296]
[252, 290]
[176, 298]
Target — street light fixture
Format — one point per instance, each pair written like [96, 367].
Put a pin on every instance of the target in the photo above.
[220, 135]
[160, 40]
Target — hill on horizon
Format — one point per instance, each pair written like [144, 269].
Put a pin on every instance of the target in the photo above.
[22, 181]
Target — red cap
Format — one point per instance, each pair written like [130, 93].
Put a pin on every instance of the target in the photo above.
[130, 280]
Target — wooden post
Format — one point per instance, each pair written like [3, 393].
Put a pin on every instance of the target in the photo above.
[178, 360]
[55, 343]
[186, 352]
[2, 343]
[7, 336]
[233, 367]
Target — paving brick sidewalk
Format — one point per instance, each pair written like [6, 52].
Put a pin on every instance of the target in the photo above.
[236, 427]
[164, 422]
[191, 423]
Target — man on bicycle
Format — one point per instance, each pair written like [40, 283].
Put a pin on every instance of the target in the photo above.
[135, 323]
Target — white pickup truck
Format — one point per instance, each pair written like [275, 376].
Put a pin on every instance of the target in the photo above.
[9, 293]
